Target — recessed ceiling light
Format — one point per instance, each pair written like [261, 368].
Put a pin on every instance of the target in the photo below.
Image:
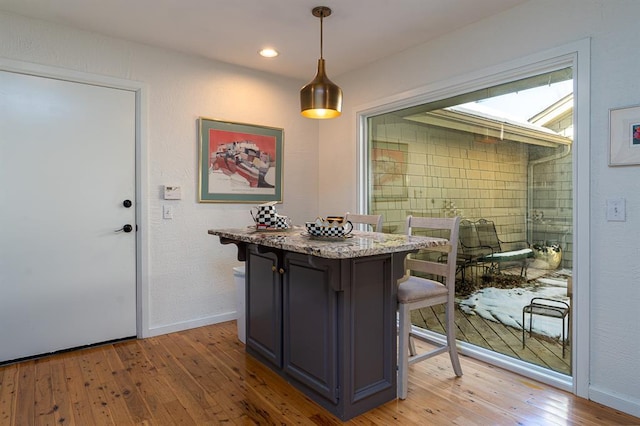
[268, 52]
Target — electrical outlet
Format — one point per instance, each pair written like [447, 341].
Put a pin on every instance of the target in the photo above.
[616, 210]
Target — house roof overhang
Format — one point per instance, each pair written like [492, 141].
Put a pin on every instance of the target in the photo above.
[490, 129]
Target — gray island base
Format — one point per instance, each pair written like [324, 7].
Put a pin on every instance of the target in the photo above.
[322, 313]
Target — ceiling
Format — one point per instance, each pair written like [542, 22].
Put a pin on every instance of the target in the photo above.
[357, 33]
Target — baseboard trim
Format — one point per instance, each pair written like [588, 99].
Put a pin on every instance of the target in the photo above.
[186, 325]
[624, 403]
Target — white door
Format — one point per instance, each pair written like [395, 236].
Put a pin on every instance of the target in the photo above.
[67, 163]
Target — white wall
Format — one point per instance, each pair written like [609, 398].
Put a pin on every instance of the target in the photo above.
[535, 26]
[189, 272]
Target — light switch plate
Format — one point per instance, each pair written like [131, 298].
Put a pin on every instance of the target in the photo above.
[167, 212]
[616, 210]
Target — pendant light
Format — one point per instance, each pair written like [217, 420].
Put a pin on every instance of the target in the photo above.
[321, 98]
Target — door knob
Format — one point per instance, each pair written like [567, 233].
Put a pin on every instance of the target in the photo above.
[125, 228]
[126, 203]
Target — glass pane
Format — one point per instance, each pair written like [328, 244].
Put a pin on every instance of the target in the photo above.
[501, 159]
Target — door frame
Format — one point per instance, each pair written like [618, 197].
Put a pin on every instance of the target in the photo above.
[141, 166]
[576, 55]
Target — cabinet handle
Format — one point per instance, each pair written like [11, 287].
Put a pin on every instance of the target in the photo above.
[273, 268]
[281, 271]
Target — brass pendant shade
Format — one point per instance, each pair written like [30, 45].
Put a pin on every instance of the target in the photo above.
[321, 98]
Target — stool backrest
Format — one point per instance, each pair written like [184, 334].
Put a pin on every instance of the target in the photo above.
[435, 227]
[374, 220]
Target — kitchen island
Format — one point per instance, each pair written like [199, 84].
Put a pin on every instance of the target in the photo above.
[322, 312]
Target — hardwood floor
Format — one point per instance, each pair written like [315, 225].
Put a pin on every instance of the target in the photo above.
[203, 377]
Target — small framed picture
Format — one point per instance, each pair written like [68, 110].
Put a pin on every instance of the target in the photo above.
[239, 162]
[624, 136]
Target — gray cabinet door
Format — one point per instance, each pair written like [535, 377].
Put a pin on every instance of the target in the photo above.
[264, 305]
[310, 323]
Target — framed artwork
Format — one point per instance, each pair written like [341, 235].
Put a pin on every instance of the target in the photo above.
[624, 136]
[389, 167]
[239, 162]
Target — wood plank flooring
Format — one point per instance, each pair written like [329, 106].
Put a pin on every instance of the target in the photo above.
[203, 377]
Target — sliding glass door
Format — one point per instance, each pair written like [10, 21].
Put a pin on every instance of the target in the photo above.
[501, 158]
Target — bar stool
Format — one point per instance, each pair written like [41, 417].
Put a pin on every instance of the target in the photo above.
[415, 292]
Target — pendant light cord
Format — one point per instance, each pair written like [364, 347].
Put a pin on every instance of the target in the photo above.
[321, 34]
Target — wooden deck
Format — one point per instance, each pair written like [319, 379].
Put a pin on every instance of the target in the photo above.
[538, 350]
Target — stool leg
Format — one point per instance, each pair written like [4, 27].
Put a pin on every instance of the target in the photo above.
[451, 340]
[403, 350]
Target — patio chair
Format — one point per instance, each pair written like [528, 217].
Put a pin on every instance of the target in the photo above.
[415, 292]
[480, 245]
[469, 249]
[373, 220]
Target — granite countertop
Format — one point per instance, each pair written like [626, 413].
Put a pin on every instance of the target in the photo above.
[358, 244]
